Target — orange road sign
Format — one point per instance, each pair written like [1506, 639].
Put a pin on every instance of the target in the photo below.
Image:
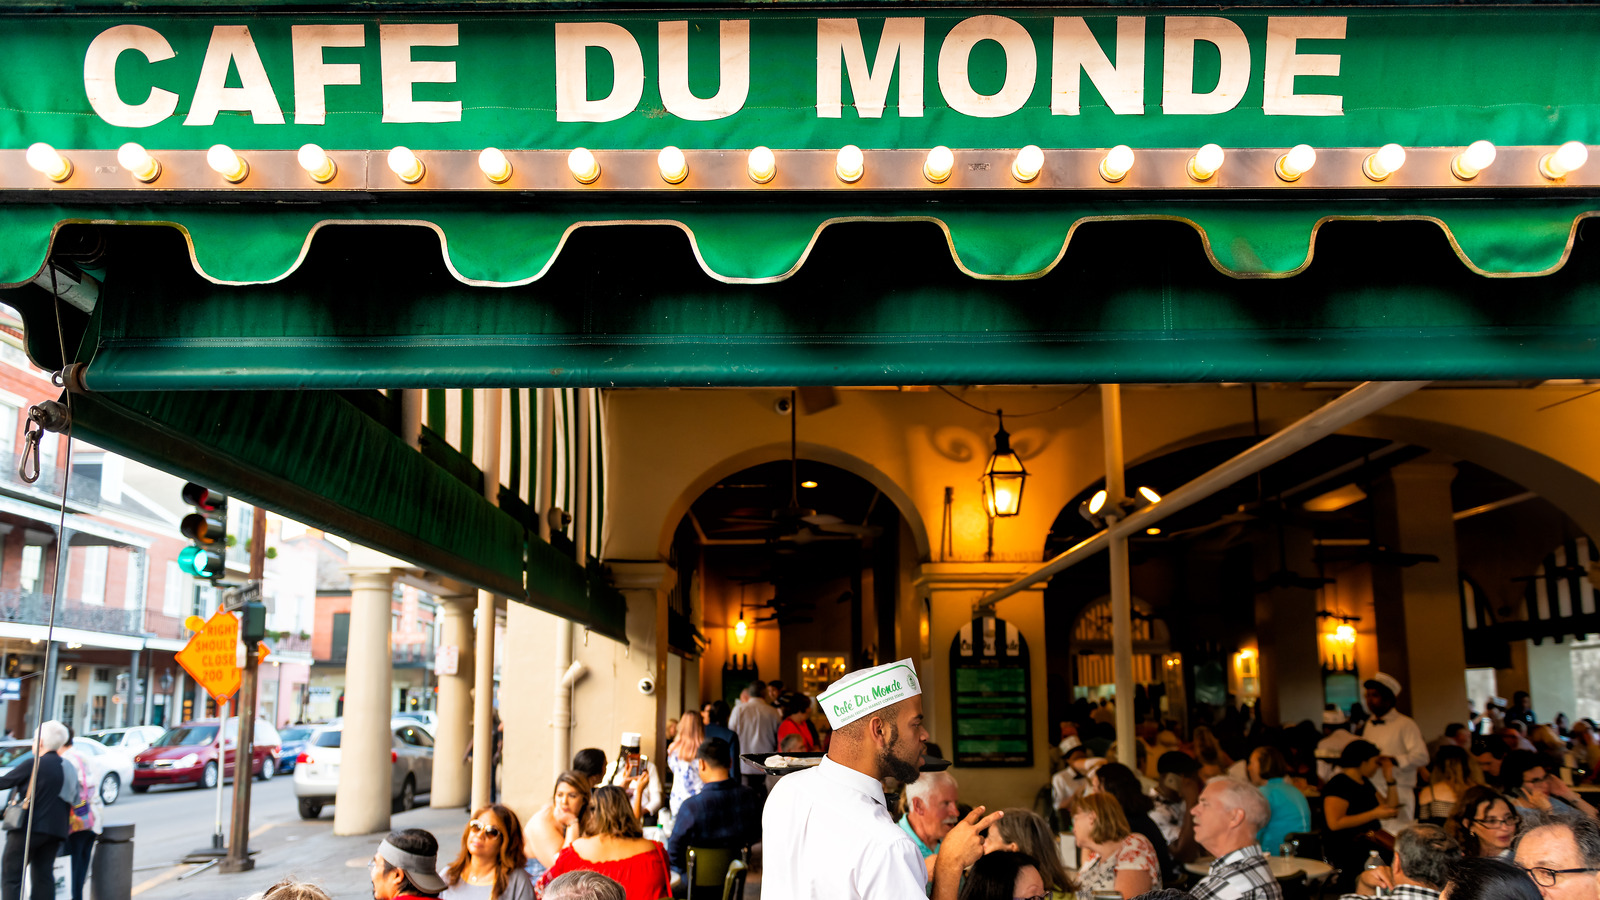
[211, 656]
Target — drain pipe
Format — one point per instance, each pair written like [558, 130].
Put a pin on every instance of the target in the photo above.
[561, 720]
[1355, 404]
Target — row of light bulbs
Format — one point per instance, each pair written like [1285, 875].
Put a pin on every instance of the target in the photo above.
[849, 164]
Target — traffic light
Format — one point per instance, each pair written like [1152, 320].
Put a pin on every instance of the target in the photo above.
[207, 526]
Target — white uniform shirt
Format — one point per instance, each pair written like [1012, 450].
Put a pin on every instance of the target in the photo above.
[826, 834]
[1399, 736]
[756, 723]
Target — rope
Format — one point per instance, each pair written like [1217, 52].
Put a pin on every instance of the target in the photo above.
[995, 412]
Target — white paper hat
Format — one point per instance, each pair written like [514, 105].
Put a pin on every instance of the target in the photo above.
[868, 690]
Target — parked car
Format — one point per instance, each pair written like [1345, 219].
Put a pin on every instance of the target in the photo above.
[427, 717]
[187, 754]
[294, 740]
[131, 739]
[108, 768]
[316, 772]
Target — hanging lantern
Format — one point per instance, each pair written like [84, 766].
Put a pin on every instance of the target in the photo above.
[1004, 476]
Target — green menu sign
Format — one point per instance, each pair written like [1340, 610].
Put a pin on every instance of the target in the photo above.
[991, 695]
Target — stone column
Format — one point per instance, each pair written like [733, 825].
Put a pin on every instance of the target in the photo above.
[1419, 608]
[483, 703]
[361, 805]
[452, 785]
[1286, 629]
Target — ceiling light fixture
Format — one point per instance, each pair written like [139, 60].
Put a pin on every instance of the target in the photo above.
[1004, 477]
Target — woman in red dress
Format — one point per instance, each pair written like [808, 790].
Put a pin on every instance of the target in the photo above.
[796, 722]
[614, 845]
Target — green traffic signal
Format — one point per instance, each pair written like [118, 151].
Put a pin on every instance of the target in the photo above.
[200, 563]
[207, 527]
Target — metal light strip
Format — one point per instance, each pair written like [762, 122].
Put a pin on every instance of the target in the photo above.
[1154, 170]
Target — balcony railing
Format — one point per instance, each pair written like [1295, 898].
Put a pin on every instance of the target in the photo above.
[82, 490]
[34, 609]
[404, 656]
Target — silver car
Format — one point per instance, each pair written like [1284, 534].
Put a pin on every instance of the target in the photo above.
[316, 769]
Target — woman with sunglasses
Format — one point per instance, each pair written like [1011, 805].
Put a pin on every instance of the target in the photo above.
[1484, 823]
[491, 860]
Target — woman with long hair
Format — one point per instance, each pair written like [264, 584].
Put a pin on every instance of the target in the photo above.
[1004, 875]
[1484, 822]
[1025, 831]
[1120, 782]
[556, 825]
[1114, 857]
[489, 866]
[614, 845]
[680, 759]
[1208, 750]
[797, 722]
[1453, 771]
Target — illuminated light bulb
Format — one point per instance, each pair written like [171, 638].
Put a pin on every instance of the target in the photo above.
[1384, 162]
[1567, 158]
[1028, 164]
[1478, 156]
[741, 630]
[674, 168]
[1004, 498]
[405, 165]
[1097, 502]
[1152, 531]
[808, 484]
[1150, 494]
[763, 166]
[1345, 633]
[939, 164]
[230, 165]
[494, 165]
[1205, 162]
[1116, 164]
[850, 164]
[1296, 162]
[139, 163]
[583, 165]
[44, 159]
[317, 163]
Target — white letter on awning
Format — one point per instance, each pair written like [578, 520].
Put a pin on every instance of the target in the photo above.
[231, 46]
[400, 72]
[573, 41]
[839, 48]
[1022, 67]
[312, 75]
[1283, 64]
[732, 90]
[1077, 53]
[100, 77]
[1177, 72]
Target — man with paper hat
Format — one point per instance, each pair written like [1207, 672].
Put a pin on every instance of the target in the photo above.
[827, 833]
[1398, 737]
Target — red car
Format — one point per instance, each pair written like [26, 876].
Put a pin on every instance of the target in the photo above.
[187, 754]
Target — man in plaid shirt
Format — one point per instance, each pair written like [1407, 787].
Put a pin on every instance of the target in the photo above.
[1226, 820]
[1423, 855]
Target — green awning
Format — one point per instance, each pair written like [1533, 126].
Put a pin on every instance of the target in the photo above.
[627, 306]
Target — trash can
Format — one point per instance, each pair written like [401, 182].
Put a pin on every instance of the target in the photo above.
[111, 871]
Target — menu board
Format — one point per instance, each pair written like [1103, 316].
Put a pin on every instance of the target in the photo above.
[991, 696]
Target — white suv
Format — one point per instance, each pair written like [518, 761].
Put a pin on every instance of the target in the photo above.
[316, 770]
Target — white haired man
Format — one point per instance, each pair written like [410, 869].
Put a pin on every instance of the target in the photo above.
[45, 821]
[1226, 820]
[931, 811]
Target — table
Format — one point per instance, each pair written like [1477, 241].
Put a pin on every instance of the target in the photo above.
[1282, 867]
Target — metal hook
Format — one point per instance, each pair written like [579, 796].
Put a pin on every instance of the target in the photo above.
[28, 465]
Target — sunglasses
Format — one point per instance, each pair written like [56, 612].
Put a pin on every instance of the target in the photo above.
[484, 829]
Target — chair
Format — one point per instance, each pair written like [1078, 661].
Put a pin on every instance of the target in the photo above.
[708, 871]
[1309, 845]
[733, 885]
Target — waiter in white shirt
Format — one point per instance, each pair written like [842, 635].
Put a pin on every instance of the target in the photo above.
[1398, 737]
[827, 833]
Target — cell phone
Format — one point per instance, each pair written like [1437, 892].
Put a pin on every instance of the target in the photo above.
[635, 765]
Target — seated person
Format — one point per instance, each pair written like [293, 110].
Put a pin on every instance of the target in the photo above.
[1003, 875]
[1226, 821]
[1290, 811]
[724, 814]
[614, 845]
[1423, 857]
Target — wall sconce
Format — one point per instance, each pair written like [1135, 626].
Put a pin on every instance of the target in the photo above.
[1004, 476]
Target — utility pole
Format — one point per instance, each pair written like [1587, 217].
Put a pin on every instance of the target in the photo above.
[250, 633]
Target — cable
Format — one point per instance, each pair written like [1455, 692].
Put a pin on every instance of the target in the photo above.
[993, 412]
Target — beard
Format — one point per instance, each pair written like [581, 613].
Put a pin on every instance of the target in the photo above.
[890, 765]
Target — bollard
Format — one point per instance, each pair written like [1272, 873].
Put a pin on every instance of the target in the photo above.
[111, 872]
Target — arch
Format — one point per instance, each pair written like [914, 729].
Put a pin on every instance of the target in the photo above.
[778, 452]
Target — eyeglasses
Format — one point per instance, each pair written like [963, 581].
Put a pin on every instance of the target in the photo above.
[1547, 877]
[484, 829]
[1507, 822]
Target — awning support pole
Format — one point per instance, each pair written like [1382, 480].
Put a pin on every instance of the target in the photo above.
[1351, 406]
[1121, 593]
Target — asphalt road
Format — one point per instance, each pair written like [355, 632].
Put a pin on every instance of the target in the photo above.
[169, 822]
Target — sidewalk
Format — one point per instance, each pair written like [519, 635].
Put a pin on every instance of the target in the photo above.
[309, 851]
